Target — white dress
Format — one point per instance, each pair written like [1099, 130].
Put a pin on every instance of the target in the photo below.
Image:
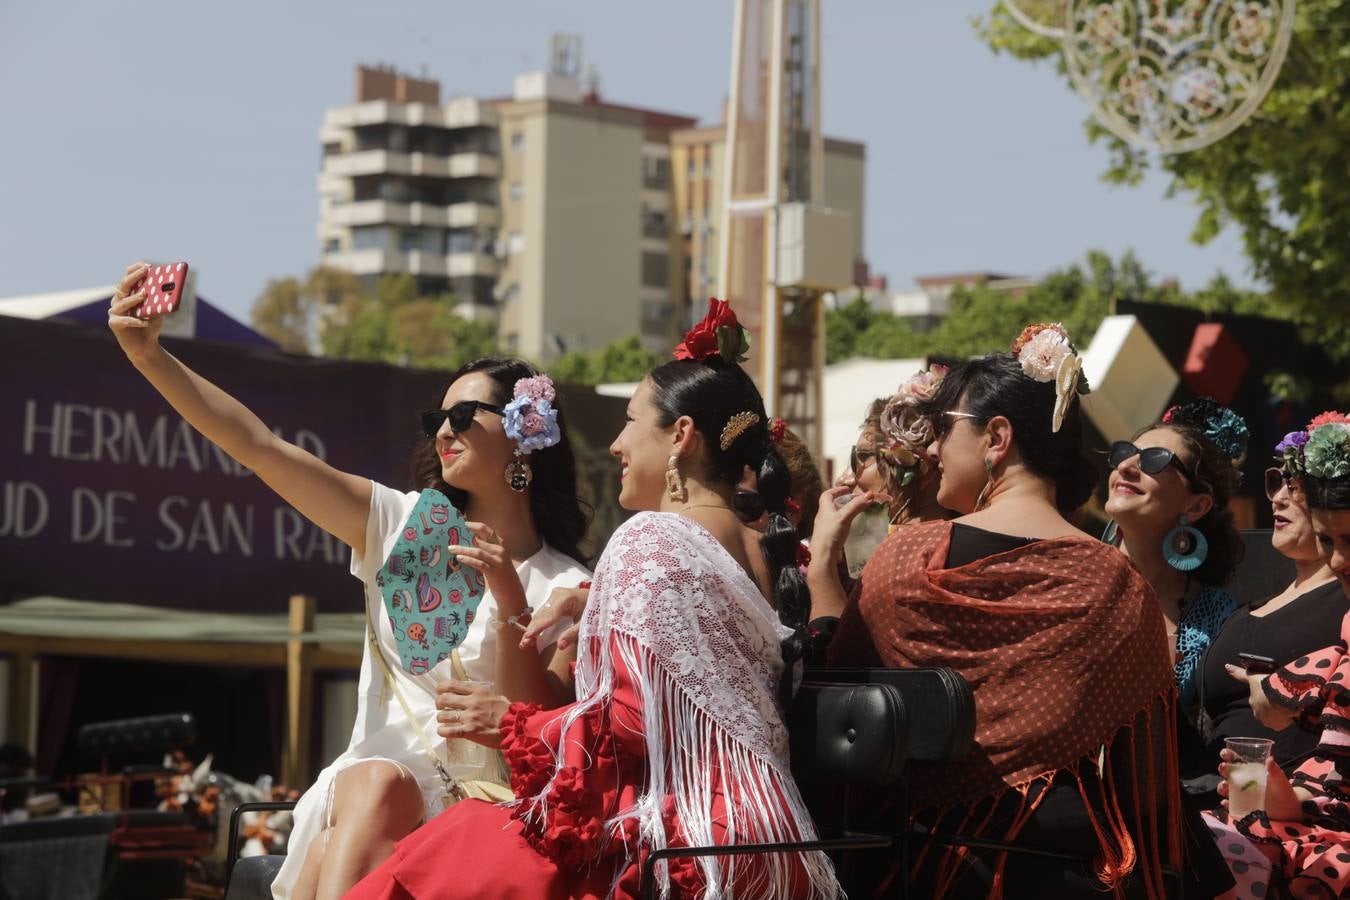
[382, 730]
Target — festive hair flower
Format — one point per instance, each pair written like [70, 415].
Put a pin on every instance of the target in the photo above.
[1327, 453]
[1327, 418]
[719, 334]
[777, 428]
[803, 557]
[792, 506]
[530, 419]
[1289, 452]
[906, 431]
[1220, 426]
[1046, 353]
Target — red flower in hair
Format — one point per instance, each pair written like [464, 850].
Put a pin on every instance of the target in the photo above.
[777, 429]
[1327, 418]
[803, 556]
[792, 506]
[719, 334]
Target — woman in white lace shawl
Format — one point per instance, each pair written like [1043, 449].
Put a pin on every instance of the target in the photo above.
[676, 738]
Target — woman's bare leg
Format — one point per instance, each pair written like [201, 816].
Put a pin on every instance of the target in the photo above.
[307, 884]
[375, 804]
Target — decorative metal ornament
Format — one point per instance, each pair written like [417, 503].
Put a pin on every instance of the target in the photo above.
[1044, 17]
[519, 474]
[1175, 75]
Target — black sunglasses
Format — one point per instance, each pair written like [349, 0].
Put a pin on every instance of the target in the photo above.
[460, 416]
[1152, 460]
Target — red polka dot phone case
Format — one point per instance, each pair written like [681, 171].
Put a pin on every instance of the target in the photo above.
[163, 290]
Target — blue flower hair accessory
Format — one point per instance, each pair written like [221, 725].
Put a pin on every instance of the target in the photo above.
[532, 422]
[1221, 426]
[530, 419]
[1289, 452]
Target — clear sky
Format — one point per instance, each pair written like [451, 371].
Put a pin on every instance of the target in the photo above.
[189, 130]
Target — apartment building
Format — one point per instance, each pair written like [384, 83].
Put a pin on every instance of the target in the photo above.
[409, 185]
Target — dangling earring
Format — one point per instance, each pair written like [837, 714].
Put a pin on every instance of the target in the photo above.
[519, 474]
[674, 483]
[988, 484]
[1110, 532]
[1185, 547]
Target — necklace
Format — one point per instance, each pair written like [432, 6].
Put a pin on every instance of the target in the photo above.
[684, 509]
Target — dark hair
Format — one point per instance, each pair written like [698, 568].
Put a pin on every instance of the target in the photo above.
[1212, 473]
[1327, 493]
[711, 393]
[995, 385]
[561, 516]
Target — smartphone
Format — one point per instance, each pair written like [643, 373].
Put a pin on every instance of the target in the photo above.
[163, 287]
[1256, 664]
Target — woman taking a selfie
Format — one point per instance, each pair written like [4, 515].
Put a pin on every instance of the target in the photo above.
[393, 774]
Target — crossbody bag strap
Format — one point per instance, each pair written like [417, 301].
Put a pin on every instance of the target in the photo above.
[451, 783]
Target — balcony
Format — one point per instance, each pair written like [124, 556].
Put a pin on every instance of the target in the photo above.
[458, 112]
[385, 212]
[419, 165]
[415, 262]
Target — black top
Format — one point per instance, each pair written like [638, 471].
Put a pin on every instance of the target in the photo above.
[970, 544]
[1310, 622]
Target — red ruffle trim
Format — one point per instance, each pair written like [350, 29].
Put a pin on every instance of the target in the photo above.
[580, 800]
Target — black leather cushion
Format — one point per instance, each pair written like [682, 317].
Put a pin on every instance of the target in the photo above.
[166, 732]
[938, 702]
[253, 876]
[848, 733]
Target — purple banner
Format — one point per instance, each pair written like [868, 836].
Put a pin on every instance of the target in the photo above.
[107, 494]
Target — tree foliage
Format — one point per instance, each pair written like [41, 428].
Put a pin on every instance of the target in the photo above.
[1282, 179]
[625, 360]
[331, 311]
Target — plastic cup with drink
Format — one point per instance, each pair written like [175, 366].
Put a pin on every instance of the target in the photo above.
[1247, 775]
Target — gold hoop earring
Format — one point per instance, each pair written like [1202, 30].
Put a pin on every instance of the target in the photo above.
[674, 483]
[981, 500]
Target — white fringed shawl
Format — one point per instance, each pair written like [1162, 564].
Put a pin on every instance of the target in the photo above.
[702, 646]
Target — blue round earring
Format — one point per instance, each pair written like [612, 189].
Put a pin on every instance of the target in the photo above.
[1185, 547]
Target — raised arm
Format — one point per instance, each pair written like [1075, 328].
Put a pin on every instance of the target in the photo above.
[337, 502]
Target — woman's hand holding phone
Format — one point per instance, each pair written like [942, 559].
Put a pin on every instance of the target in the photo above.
[138, 337]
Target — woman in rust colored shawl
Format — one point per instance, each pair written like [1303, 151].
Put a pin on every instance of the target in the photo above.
[1061, 640]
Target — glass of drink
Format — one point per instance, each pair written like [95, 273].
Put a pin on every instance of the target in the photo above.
[1247, 775]
[464, 757]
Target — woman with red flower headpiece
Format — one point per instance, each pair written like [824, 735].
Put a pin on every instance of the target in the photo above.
[676, 738]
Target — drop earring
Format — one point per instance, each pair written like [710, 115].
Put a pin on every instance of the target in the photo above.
[988, 485]
[1185, 547]
[519, 474]
[674, 483]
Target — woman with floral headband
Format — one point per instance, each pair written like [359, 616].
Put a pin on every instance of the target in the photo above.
[675, 738]
[1294, 622]
[506, 463]
[1168, 497]
[1299, 845]
[889, 464]
[1059, 637]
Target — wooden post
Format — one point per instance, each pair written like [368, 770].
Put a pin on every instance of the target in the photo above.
[22, 685]
[299, 695]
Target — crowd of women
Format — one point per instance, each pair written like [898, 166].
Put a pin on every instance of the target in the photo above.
[640, 706]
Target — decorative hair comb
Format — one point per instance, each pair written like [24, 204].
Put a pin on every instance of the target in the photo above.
[737, 426]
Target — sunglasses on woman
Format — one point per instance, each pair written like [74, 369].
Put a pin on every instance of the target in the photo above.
[460, 416]
[1277, 478]
[1152, 460]
[858, 460]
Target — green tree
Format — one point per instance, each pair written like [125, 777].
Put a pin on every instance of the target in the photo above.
[1281, 179]
[284, 313]
[624, 360]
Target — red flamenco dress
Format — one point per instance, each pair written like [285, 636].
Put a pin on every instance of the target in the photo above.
[675, 742]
